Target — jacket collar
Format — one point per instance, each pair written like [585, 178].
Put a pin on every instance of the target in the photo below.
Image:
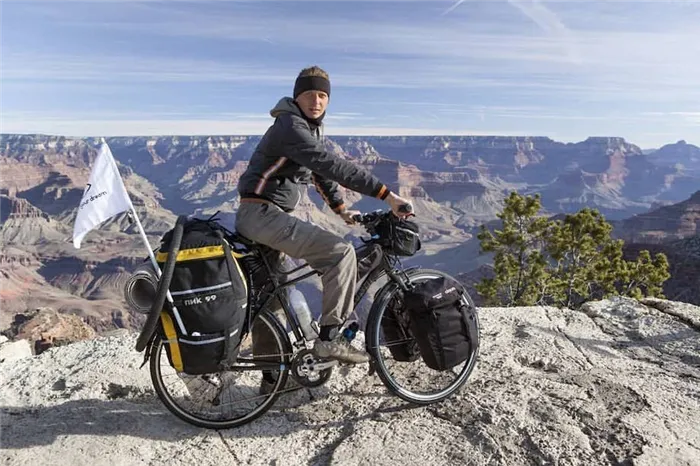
[288, 105]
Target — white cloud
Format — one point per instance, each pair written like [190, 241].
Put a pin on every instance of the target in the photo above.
[154, 127]
[667, 72]
[132, 127]
[344, 117]
[453, 7]
[692, 118]
[493, 39]
[419, 53]
[551, 24]
[545, 62]
[134, 69]
[458, 53]
[541, 15]
[647, 130]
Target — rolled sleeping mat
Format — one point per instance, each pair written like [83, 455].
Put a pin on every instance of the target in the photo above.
[140, 288]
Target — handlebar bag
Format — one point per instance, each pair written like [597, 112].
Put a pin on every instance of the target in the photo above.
[402, 235]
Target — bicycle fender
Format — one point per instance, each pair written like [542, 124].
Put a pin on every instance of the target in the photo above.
[147, 350]
[381, 293]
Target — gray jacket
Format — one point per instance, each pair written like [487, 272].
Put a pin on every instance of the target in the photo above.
[291, 154]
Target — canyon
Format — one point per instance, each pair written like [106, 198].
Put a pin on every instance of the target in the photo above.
[456, 184]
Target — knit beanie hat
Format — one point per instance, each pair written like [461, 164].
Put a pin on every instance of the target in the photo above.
[311, 83]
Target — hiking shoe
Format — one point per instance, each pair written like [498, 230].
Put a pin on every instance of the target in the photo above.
[341, 350]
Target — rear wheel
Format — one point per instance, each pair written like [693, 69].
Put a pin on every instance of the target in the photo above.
[413, 380]
[229, 398]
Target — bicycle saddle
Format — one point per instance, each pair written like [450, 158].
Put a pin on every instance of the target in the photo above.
[243, 240]
[249, 243]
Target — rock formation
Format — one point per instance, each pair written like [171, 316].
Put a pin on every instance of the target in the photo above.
[667, 223]
[457, 183]
[45, 328]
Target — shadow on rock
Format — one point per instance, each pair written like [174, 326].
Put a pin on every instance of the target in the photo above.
[25, 427]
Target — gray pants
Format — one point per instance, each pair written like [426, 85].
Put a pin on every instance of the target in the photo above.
[324, 251]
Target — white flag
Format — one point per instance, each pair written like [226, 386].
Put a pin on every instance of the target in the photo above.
[104, 197]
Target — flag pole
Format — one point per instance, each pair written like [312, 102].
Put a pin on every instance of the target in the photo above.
[144, 238]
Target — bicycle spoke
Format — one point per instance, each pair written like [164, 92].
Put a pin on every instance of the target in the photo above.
[411, 380]
[227, 398]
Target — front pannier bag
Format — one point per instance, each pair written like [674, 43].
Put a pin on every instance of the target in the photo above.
[210, 293]
[440, 321]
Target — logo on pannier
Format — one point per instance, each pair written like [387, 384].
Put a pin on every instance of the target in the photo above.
[199, 300]
[447, 291]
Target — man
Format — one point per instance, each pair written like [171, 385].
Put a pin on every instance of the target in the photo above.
[290, 154]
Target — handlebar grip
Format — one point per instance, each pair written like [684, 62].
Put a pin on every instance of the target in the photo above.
[357, 217]
[406, 208]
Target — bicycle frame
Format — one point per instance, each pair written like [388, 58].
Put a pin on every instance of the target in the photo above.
[384, 267]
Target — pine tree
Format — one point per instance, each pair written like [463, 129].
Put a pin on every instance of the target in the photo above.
[578, 245]
[564, 262]
[518, 262]
[645, 277]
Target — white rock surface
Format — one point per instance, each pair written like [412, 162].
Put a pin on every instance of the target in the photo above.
[14, 350]
[616, 384]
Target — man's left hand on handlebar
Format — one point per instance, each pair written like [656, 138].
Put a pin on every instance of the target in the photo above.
[396, 202]
[348, 214]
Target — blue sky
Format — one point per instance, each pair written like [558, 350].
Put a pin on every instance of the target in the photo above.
[564, 69]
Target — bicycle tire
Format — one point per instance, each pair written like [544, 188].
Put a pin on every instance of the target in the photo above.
[285, 349]
[372, 335]
[149, 327]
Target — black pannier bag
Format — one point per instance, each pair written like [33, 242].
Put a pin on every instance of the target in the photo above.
[397, 331]
[440, 321]
[210, 293]
[402, 236]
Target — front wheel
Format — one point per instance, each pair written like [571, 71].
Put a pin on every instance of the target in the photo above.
[410, 378]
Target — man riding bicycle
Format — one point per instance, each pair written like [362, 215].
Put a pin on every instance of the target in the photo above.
[290, 154]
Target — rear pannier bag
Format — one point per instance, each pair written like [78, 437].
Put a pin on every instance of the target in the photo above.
[210, 292]
[440, 321]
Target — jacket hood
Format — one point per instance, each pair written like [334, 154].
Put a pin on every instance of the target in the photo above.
[286, 105]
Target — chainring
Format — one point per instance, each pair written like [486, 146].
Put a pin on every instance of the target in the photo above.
[309, 371]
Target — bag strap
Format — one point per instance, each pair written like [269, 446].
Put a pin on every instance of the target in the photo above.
[228, 351]
[471, 330]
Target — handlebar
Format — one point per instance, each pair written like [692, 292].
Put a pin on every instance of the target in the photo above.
[370, 217]
[406, 209]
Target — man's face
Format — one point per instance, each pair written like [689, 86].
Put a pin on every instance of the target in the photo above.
[313, 103]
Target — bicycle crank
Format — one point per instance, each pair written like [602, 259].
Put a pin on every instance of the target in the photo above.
[310, 371]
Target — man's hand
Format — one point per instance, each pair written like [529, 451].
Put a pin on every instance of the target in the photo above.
[347, 216]
[395, 202]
